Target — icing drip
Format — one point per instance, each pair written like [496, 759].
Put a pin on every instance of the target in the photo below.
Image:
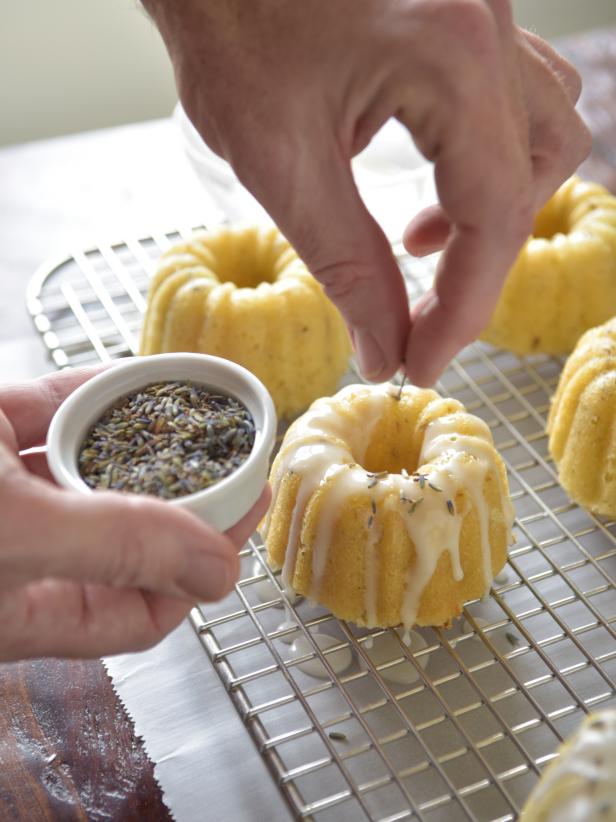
[450, 541]
[318, 423]
[468, 458]
[502, 577]
[311, 462]
[478, 445]
[432, 530]
[288, 623]
[343, 480]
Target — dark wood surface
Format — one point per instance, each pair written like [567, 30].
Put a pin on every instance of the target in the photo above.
[67, 748]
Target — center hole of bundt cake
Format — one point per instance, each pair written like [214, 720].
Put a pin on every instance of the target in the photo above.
[244, 267]
[393, 445]
[549, 223]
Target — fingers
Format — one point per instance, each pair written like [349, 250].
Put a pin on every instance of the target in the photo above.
[341, 244]
[508, 144]
[120, 540]
[559, 140]
[30, 406]
[55, 617]
[35, 462]
[427, 232]
[557, 64]
[153, 562]
[65, 619]
[457, 308]
[484, 183]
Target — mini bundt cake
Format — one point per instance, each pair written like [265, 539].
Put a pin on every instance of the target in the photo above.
[580, 785]
[582, 421]
[564, 279]
[389, 506]
[245, 295]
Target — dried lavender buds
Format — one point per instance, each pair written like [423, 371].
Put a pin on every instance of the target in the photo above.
[168, 440]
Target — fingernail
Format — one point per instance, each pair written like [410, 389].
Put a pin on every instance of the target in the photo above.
[369, 354]
[206, 576]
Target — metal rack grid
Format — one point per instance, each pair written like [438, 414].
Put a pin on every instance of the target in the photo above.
[458, 725]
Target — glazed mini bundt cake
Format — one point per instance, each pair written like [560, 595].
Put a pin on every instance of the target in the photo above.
[564, 279]
[582, 421]
[245, 295]
[580, 785]
[388, 506]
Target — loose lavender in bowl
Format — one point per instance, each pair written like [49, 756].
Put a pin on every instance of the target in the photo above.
[168, 439]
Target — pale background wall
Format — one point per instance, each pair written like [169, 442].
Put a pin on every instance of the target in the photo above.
[73, 65]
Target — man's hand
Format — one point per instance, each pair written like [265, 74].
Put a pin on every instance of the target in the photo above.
[288, 92]
[95, 574]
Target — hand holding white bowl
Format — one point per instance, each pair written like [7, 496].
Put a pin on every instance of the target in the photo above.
[85, 575]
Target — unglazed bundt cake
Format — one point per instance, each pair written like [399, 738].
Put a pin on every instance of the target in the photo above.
[564, 279]
[580, 785]
[245, 295]
[582, 421]
[389, 506]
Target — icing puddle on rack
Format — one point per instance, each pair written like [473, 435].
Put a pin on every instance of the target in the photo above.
[339, 659]
[384, 648]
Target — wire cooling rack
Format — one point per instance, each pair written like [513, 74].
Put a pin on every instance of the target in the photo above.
[355, 724]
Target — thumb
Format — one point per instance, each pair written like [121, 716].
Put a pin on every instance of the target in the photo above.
[114, 539]
[427, 232]
[342, 245]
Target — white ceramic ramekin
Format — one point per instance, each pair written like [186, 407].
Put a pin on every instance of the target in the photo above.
[222, 504]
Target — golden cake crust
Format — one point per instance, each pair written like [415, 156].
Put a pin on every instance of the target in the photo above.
[564, 279]
[582, 421]
[389, 507]
[245, 295]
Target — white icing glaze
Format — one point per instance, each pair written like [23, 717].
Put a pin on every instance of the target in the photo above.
[432, 525]
[324, 447]
[432, 530]
[342, 481]
[288, 623]
[339, 660]
[468, 459]
[478, 445]
[356, 434]
[580, 786]
[311, 462]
